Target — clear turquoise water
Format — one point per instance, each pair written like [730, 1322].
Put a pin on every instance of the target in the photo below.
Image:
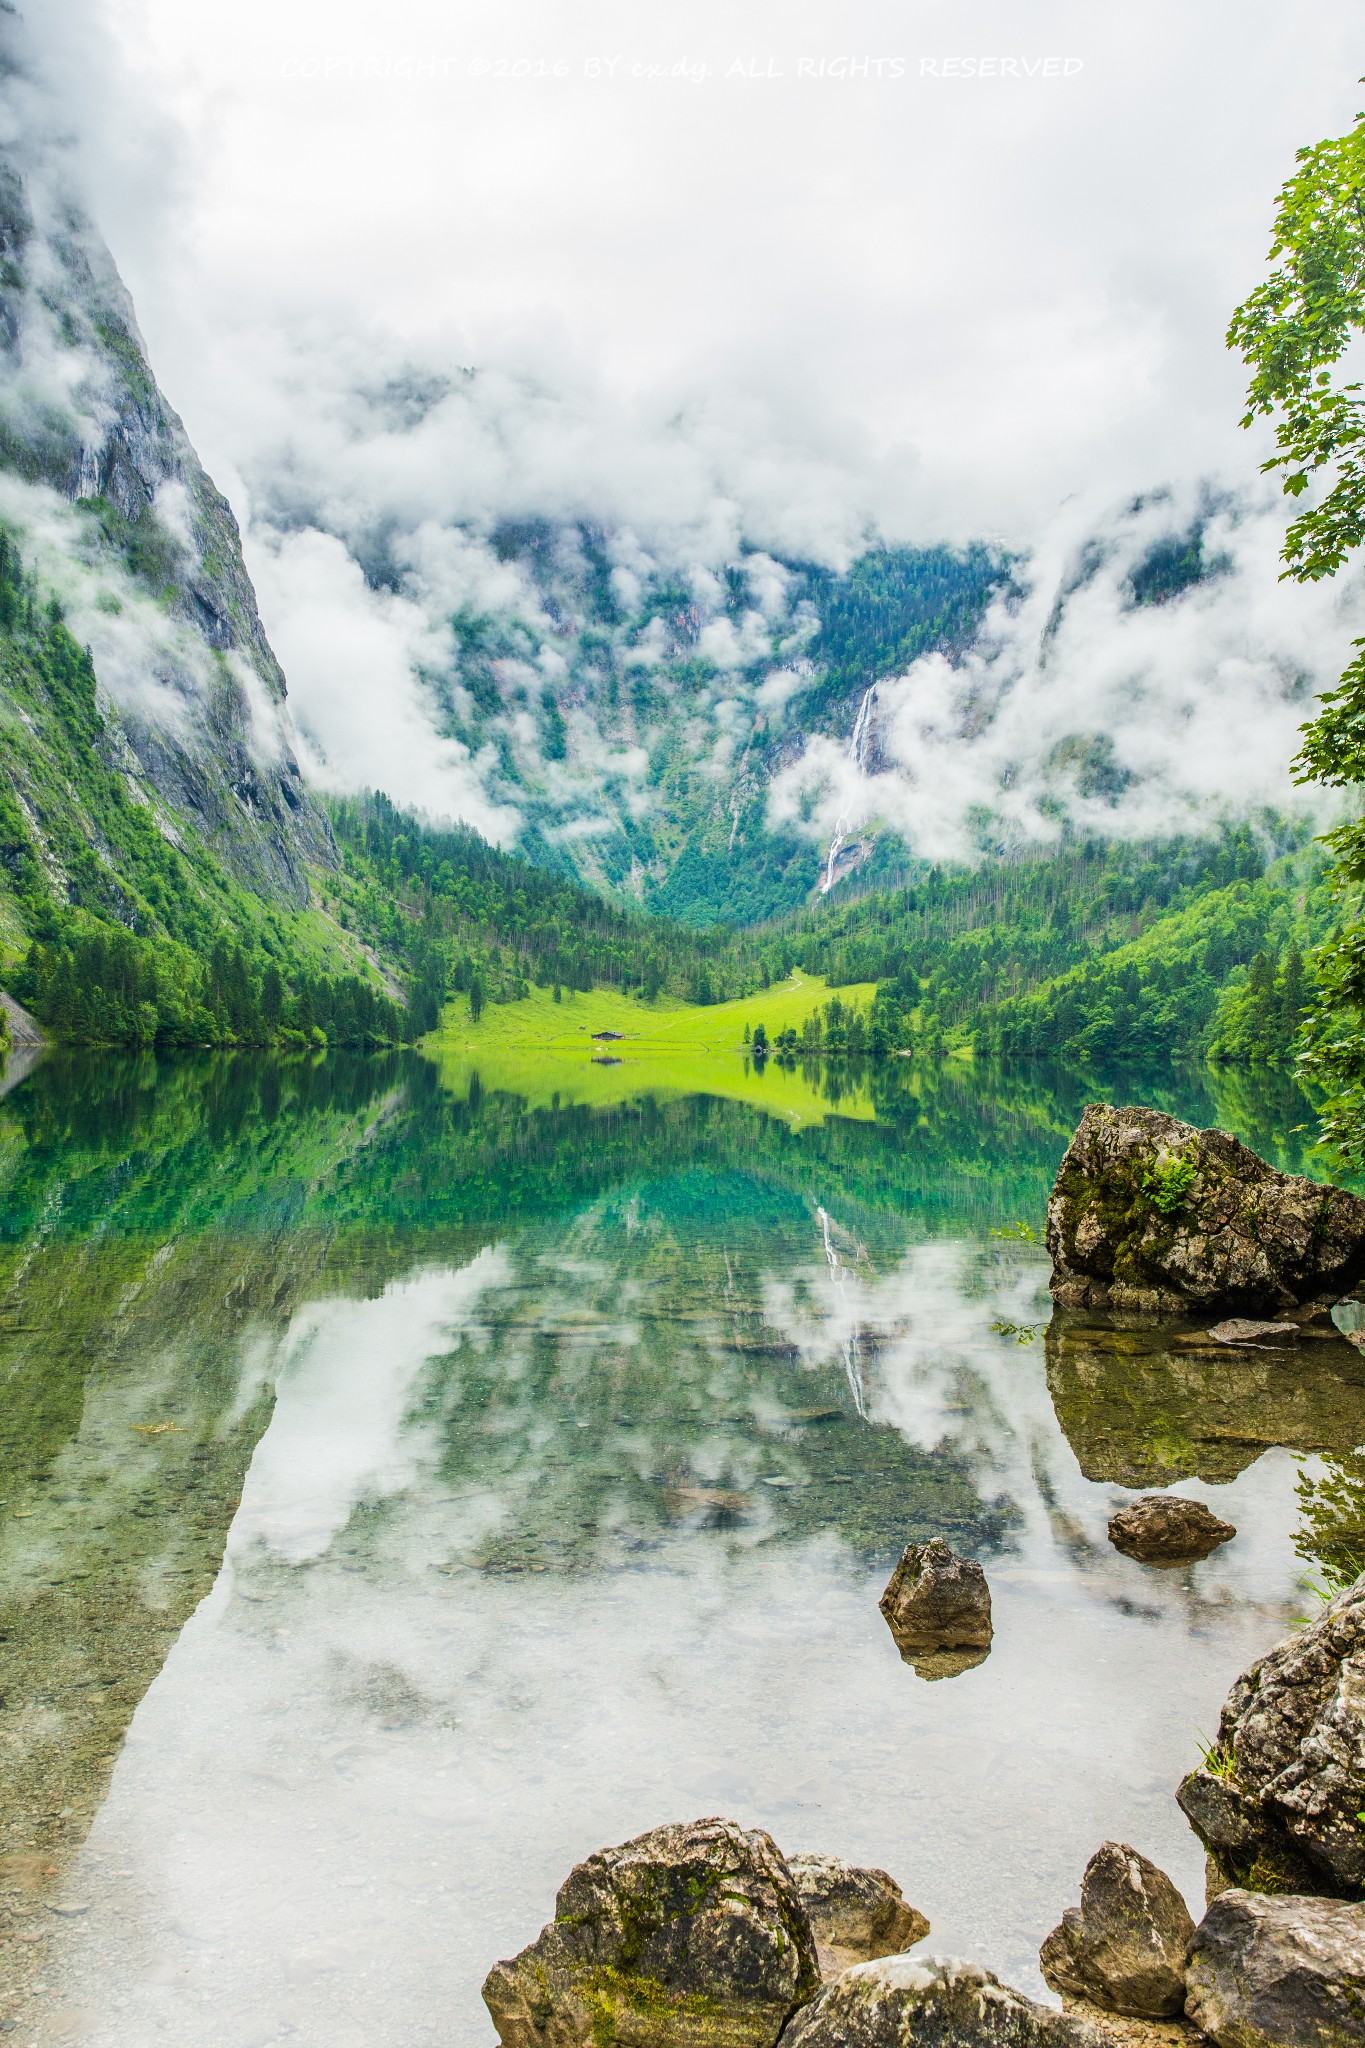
[406, 1494]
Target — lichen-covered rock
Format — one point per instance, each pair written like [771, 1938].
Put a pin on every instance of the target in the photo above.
[1149, 1213]
[690, 1936]
[1166, 1528]
[937, 2002]
[855, 1914]
[1143, 1406]
[1278, 1802]
[1125, 1946]
[938, 1607]
[1278, 1972]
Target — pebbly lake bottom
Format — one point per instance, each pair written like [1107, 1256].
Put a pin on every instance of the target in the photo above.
[409, 1491]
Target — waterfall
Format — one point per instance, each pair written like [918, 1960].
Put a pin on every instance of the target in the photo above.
[857, 748]
[852, 1344]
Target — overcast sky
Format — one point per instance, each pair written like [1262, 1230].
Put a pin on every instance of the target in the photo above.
[975, 258]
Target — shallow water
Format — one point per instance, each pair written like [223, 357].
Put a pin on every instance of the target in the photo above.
[410, 1490]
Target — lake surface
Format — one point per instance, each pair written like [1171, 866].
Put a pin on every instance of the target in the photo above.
[412, 1484]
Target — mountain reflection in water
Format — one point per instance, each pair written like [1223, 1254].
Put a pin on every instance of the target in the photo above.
[432, 1489]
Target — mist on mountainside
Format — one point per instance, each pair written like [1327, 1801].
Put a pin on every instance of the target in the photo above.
[670, 708]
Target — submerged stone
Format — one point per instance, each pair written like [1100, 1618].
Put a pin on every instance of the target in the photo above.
[938, 1605]
[689, 1936]
[1149, 1213]
[1243, 1330]
[1277, 1803]
[1278, 1972]
[1165, 1528]
[855, 1914]
[1125, 1946]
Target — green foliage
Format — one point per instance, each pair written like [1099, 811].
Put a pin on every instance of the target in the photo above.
[1095, 953]
[458, 912]
[138, 934]
[1171, 567]
[1219, 1763]
[764, 875]
[108, 987]
[1331, 1535]
[1168, 1183]
[1299, 333]
[1261, 1013]
[1294, 330]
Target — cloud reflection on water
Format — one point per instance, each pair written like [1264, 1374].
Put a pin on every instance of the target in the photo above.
[368, 1763]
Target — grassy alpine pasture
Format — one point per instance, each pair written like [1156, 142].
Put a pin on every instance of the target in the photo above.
[547, 1052]
[539, 1023]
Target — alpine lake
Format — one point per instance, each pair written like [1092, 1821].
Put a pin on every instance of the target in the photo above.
[416, 1477]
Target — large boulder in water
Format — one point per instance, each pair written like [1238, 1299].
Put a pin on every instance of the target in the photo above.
[902, 2002]
[855, 1914]
[1278, 1973]
[1149, 1213]
[937, 1605]
[1277, 1802]
[690, 1936]
[1124, 1947]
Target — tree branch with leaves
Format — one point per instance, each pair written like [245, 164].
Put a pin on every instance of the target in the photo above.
[1302, 335]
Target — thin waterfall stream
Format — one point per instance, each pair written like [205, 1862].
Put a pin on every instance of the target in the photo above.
[857, 747]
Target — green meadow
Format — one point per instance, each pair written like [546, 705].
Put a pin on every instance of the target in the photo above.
[548, 1052]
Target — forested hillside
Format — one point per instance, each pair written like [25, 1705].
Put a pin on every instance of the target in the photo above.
[118, 922]
[1184, 949]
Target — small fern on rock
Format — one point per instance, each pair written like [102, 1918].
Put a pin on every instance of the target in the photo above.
[1169, 1182]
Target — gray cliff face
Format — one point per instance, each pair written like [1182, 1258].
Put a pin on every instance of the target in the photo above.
[148, 561]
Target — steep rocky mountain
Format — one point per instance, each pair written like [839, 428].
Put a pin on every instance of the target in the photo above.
[118, 543]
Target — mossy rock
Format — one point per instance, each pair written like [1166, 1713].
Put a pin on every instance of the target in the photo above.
[690, 1936]
[1150, 1214]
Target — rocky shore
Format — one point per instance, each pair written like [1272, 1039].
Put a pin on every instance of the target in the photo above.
[704, 1935]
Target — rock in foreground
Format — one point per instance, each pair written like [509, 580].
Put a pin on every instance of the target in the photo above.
[1277, 1803]
[1149, 1213]
[856, 1915]
[690, 1936]
[902, 2002]
[938, 1607]
[1165, 1528]
[1278, 1973]
[1125, 1947]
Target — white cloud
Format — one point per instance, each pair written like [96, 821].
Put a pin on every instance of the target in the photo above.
[1137, 719]
[352, 655]
[939, 303]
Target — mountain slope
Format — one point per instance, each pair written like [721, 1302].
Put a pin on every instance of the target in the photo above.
[115, 514]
